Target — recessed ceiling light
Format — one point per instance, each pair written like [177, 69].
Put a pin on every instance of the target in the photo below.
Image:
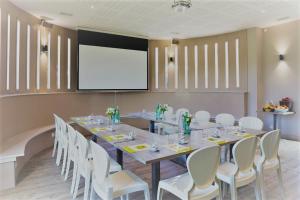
[66, 14]
[263, 11]
[181, 5]
[92, 6]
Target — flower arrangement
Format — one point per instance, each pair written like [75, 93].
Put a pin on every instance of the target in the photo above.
[187, 119]
[160, 110]
[113, 114]
[163, 108]
[110, 112]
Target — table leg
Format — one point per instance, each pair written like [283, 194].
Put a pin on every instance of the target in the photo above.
[94, 138]
[155, 178]
[274, 122]
[120, 157]
[230, 152]
[152, 126]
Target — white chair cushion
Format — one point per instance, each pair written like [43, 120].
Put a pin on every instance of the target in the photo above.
[269, 164]
[124, 182]
[179, 185]
[226, 172]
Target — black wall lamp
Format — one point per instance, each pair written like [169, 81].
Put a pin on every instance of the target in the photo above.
[44, 48]
[281, 57]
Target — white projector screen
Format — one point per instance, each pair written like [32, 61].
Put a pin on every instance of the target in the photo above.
[106, 68]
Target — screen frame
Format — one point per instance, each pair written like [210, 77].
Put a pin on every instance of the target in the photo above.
[113, 41]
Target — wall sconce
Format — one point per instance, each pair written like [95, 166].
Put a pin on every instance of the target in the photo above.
[44, 48]
[171, 56]
[281, 57]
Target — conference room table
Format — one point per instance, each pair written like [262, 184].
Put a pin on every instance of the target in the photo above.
[150, 116]
[137, 143]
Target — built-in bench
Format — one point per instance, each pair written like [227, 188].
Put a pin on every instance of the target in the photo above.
[17, 150]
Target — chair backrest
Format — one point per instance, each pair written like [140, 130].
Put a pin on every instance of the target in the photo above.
[225, 119]
[251, 123]
[82, 145]
[244, 153]
[63, 130]
[203, 164]
[269, 144]
[169, 111]
[202, 116]
[179, 112]
[100, 162]
[71, 136]
[57, 124]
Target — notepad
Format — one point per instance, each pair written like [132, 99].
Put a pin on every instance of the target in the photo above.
[217, 140]
[136, 148]
[112, 138]
[178, 148]
[97, 129]
[244, 135]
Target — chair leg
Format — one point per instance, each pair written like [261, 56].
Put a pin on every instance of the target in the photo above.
[68, 168]
[147, 194]
[74, 177]
[54, 147]
[220, 197]
[76, 185]
[87, 186]
[92, 195]
[261, 184]
[160, 193]
[279, 174]
[64, 161]
[59, 153]
[257, 189]
[233, 191]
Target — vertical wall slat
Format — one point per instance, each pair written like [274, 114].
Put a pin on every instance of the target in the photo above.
[8, 54]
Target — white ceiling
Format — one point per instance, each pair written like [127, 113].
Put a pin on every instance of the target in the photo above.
[156, 18]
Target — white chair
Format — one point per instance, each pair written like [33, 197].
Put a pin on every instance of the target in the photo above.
[199, 182]
[241, 172]
[109, 186]
[269, 159]
[56, 134]
[72, 154]
[202, 116]
[62, 149]
[83, 167]
[251, 123]
[225, 119]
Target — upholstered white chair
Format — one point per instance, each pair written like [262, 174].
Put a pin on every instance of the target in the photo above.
[269, 159]
[56, 134]
[241, 172]
[199, 182]
[251, 123]
[225, 119]
[109, 186]
[202, 116]
[62, 149]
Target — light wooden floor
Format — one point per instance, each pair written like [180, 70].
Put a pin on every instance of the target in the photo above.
[41, 179]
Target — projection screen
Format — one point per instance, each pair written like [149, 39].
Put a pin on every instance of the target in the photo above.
[107, 68]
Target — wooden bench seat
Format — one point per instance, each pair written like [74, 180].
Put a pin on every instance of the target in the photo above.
[17, 150]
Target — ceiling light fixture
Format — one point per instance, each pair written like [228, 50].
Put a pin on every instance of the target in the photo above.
[181, 5]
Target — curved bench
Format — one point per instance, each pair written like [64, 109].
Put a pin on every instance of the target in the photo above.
[18, 150]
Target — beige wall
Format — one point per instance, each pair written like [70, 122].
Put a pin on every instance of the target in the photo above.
[24, 110]
[281, 79]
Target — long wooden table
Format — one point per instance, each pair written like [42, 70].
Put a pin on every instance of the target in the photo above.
[167, 144]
